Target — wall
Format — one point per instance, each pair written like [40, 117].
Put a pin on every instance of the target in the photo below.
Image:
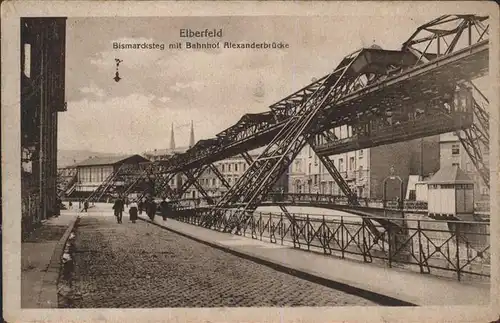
[42, 97]
[452, 152]
[382, 158]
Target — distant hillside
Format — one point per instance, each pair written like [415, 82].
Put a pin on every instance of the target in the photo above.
[70, 157]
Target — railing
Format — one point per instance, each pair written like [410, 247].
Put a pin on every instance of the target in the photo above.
[482, 206]
[317, 199]
[423, 245]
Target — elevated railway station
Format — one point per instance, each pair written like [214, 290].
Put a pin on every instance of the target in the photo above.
[384, 96]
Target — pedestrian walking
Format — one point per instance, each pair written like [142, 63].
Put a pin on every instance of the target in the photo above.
[151, 209]
[133, 212]
[140, 206]
[118, 207]
[165, 209]
[85, 206]
[70, 205]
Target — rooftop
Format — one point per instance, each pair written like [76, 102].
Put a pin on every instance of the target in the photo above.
[107, 160]
[450, 175]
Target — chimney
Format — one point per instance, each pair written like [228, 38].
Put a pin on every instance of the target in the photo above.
[191, 136]
[172, 138]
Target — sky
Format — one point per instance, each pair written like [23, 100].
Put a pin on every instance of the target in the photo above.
[213, 88]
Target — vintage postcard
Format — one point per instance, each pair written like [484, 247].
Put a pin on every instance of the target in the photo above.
[250, 161]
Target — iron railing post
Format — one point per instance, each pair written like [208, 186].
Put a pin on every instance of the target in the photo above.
[342, 234]
[270, 227]
[419, 248]
[389, 240]
[281, 228]
[308, 224]
[457, 254]
[364, 241]
[323, 234]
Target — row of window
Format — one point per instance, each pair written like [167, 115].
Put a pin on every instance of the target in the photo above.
[230, 167]
[94, 174]
[352, 166]
[461, 186]
[215, 182]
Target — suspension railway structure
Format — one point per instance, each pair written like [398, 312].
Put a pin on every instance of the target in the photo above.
[386, 96]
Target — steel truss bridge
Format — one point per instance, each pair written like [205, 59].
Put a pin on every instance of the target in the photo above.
[386, 96]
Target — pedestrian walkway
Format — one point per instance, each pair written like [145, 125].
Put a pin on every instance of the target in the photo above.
[408, 287]
[41, 253]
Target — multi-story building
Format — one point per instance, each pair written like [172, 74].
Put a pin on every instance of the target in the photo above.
[365, 170]
[452, 153]
[92, 172]
[231, 170]
[43, 43]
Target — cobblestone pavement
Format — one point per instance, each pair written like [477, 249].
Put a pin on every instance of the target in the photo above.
[142, 265]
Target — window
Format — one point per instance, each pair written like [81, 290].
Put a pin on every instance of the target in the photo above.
[361, 171]
[297, 165]
[236, 167]
[341, 165]
[244, 167]
[351, 163]
[315, 179]
[360, 153]
[310, 152]
[455, 150]
[229, 180]
[228, 167]
[222, 167]
[213, 181]
[309, 168]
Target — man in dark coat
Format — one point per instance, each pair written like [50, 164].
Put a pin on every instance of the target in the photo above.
[165, 208]
[151, 209]
[140, 206]
[118, 207]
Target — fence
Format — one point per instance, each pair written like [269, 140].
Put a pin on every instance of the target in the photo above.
[318, 199]
[447, 248]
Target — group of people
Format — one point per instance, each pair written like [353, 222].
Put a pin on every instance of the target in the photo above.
[85, 205]
[148, 205]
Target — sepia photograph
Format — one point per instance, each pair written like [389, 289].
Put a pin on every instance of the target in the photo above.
[228, 161]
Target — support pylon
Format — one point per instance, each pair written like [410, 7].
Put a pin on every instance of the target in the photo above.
[256, 182]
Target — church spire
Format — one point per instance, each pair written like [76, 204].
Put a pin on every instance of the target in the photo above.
[172, 138]
[191, 136]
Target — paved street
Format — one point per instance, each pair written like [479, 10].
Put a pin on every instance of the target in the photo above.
[142, 265]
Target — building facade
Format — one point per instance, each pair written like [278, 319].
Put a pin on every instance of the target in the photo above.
[92, 172]
[43, 43]
[365, 170]
[452, 153]
[231, 170]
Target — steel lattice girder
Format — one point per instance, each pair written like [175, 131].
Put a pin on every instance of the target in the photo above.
[192, 177]
[276, 158]
[455, 66]
[246, 156]
[458, 66]
[217, 173]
